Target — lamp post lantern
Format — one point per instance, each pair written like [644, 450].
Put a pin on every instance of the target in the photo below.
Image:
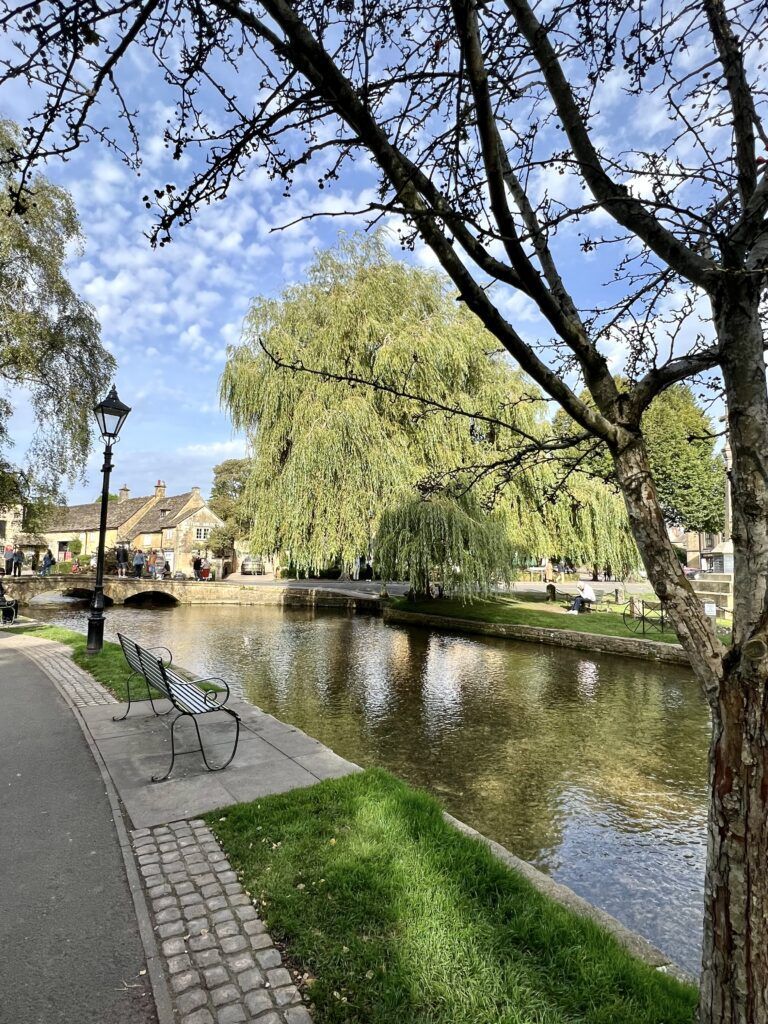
[110, 415]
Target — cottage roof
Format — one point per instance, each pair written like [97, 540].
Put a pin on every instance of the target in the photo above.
[78, 518]
[162, 515]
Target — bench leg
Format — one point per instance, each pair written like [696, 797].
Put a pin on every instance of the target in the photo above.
[160, 714]
[218, 768]
[162, 778]
[128, 686]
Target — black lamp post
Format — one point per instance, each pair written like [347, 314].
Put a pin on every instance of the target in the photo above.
[110, 415]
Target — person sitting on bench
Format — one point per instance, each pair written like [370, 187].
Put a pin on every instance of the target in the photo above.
[586, 593]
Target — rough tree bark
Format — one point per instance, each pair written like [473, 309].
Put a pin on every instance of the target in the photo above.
[734, 979]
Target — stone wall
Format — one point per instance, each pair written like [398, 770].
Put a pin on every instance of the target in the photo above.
[671, 654]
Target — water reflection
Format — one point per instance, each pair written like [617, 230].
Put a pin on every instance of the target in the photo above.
[594, 769]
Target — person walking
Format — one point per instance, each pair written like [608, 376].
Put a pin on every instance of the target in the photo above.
[48, 562]
[196, 565]
[18, 561]
[139, 559]
[152, 564]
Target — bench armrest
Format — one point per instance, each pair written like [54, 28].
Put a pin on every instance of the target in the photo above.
[212, 696]
[170, 656]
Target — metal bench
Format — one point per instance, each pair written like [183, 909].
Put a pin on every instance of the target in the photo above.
[8, 611]
[185, 696]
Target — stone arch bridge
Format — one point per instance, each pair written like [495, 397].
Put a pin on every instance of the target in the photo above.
[117, 591]
[132, 591]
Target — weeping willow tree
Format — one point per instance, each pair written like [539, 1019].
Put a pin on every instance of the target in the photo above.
[446, 540]
[353, 388]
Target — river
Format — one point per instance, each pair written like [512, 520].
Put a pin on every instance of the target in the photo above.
[593, 768]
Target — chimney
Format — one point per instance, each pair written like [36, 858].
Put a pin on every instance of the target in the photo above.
[196, 494]
[160, 489]
[124, 493]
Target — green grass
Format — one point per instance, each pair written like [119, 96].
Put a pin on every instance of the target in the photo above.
[399, 919]
[108, 667]
[524, 612]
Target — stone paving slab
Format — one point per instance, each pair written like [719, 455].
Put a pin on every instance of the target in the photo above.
[222, 964]
[272, 757]
[51, 657]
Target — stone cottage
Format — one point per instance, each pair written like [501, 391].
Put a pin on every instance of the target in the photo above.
[178, 525]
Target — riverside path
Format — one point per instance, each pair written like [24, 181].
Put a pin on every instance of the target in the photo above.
[71, 949]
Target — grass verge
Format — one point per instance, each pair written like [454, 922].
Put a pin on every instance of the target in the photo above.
[512, 611]
[397, 917]
[108, 667]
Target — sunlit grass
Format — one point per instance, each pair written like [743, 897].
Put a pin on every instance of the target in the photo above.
[527, 610]
[399, 919]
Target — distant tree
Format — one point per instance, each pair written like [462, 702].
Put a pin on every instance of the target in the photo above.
[341, 452]
[689, 475]
[110, 498]
[49, 337]
[221, 541]
[446, 541]
[226, 500]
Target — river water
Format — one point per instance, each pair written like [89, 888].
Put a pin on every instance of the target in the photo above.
[591, 767]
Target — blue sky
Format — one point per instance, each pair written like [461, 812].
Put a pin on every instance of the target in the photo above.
[167, 314]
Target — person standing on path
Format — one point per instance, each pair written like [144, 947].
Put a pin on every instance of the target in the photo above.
[121, 557]
[18, 561]
[138, 563]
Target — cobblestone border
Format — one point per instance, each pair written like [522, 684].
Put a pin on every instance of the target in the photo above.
[222, 964]
[55, 660]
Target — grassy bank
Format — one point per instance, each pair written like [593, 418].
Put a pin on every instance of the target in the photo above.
[527, 611]
[108, 667]
[397, 917]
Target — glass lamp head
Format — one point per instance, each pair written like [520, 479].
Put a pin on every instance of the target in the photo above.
[110, 415]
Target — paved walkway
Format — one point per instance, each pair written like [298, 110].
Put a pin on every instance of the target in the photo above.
[216, 963]
[69, 938]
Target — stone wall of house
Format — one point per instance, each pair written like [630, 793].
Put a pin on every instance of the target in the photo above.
[11, 520]
[187, 542]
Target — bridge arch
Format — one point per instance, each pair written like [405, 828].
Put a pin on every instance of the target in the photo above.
[151, 598]
[85, 594]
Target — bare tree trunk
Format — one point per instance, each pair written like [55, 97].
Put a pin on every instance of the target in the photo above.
[734, 980]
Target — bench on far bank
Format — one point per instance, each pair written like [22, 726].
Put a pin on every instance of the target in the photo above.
[186, 696]
[600, 604]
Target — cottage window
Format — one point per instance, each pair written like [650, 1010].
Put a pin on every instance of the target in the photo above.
[202, 532]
